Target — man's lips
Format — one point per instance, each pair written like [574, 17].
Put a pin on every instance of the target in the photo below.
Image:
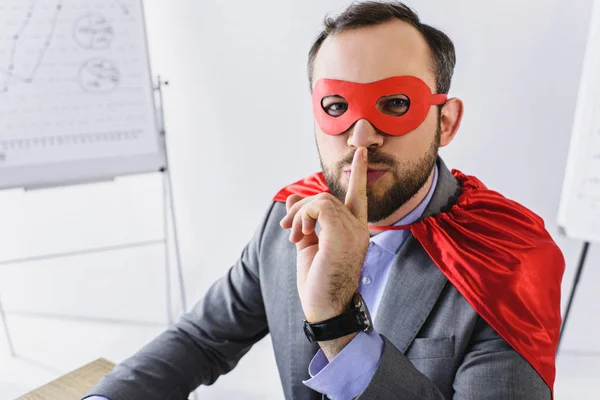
[347, 171]
[373, 174]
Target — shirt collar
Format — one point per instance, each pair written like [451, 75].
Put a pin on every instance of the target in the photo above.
[392, 240]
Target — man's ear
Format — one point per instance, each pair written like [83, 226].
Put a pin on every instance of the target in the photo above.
[451, 116]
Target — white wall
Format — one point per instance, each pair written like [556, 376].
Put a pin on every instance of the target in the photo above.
[240, 127]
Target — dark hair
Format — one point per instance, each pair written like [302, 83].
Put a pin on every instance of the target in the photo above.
[370, 13]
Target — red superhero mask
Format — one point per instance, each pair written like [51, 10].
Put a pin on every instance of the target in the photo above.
[362, 103]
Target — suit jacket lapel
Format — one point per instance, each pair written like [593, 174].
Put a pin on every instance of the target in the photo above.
[415, 282]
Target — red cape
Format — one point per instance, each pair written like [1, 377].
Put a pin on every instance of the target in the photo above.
[500, 257]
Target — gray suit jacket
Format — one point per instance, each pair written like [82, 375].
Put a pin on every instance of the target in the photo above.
[436, 345]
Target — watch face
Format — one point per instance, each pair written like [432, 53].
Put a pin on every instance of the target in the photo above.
[310, 335]
[364, 316]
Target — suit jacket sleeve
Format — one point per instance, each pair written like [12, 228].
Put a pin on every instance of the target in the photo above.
[490, 370]
[206, 342]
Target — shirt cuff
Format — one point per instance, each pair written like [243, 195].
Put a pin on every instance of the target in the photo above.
[350, 372]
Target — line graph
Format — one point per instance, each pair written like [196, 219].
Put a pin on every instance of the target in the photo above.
[11, 72]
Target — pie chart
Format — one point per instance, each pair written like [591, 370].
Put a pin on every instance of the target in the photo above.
[93, 31]
[99, 76]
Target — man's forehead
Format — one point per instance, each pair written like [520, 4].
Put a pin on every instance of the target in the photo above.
[373, 53]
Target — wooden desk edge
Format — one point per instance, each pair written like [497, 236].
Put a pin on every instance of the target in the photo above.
[73, 384]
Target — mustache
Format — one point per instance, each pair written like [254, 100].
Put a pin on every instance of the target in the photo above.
[375, 157]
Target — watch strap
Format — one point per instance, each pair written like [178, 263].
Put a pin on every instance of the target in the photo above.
[337, 327]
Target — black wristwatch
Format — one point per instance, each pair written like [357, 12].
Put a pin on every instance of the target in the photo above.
[355, 320]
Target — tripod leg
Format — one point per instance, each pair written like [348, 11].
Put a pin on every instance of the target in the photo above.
[582, 258]
[167, 257]
[176, 244]
[169, 192]
[10, 344]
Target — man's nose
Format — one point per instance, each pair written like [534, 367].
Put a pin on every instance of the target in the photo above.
[363, 133]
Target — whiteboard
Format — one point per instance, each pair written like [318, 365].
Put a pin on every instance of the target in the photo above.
[579, 213]
[76, 94]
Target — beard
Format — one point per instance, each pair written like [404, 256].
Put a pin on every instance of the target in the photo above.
[408, 178]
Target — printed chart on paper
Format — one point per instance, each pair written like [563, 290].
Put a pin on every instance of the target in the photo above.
[579, 212]
[75, 84]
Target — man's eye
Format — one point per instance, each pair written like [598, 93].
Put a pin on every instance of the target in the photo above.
[336, 109]
[398, 103]
[396, 106]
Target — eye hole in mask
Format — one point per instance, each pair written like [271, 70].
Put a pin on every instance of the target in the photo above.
[395, 105]
[338, 104]
[335, 105]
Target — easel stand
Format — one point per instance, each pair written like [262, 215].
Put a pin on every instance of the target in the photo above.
[582, 257]
[11, 348]
[168, 218]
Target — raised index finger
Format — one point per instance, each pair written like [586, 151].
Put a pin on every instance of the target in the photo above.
[356, 197]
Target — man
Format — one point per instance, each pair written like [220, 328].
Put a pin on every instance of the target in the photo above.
[462, 285]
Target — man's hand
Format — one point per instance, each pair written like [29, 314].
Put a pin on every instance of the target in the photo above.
[329, 265]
